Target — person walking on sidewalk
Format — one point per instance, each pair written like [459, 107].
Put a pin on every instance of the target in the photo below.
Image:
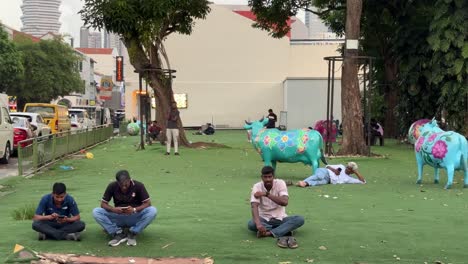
[132, 209]
[268, 200]
[57, 216]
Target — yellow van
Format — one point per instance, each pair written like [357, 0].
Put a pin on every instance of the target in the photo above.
[56, 116]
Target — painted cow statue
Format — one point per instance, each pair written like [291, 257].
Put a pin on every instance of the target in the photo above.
[301, 145]
[414, 130]
[441, 149]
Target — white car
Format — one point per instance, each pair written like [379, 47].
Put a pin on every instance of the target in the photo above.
[6, 130]
[36, 120]
[79, 119]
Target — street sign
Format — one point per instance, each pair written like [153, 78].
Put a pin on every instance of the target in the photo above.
[119, 72]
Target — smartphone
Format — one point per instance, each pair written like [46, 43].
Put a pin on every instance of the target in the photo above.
[124, 208]
[61, 216]
[339, 170]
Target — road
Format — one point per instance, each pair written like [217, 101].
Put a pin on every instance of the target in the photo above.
[10, 169]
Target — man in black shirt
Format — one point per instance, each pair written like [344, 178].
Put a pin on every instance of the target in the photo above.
[132, 209]
[271, 119]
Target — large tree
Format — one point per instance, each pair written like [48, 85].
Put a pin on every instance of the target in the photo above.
[50, 70]
[144, 26]
[272, 15]
[11, 68]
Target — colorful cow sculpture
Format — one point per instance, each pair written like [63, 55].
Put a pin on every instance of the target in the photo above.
[413, 132]
[301, 145]
[441, 149]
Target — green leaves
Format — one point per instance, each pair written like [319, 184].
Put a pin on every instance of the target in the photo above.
[11, 68]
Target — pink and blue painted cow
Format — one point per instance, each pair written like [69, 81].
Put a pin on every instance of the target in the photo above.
[301, 145]
[441, 149]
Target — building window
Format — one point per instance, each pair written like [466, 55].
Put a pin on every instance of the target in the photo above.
[81, 66]
[181, 100]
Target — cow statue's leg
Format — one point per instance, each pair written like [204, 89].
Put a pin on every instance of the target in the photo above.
[450, 172]
[464, 166]
[314, 166]
[273, 164]
[420, 164]
[436, 175]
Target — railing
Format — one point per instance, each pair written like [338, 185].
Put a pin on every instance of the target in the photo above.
[38, 152]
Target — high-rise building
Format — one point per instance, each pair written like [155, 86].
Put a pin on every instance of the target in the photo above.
[317, 29]
[84, 33]
[112, 41]
[40, 17]
[95, 40]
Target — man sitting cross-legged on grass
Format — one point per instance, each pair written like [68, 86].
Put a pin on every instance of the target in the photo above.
[132, 209]
[57, 216]
[334, 174]
[268, 200]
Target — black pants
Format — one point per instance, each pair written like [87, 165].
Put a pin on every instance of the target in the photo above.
[57, 231]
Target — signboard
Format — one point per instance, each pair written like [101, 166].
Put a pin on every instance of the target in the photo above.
[105, 88]
[119, 72]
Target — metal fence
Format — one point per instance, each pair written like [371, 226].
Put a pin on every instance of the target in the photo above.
[35, 153]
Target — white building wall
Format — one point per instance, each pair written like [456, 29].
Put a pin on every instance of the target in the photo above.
[40, 17]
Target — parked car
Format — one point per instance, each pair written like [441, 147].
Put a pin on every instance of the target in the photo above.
[79, 119]
[22, 131]
[56, 116]
[6, 130]
[37, 122]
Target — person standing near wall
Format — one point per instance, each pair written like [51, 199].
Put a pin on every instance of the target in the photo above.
[272, 118]
[172, 131]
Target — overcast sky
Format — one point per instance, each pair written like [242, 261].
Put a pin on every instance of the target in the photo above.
[10, 14]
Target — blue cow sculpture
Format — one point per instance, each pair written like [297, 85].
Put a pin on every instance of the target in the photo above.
[441, 149]
[301, 145]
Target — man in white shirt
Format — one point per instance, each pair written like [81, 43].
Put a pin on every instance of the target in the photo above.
[334, 174]
[268, 201]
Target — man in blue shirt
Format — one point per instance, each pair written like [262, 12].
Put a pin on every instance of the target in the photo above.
[57, 216]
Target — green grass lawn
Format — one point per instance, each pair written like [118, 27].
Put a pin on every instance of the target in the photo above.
[203, 206]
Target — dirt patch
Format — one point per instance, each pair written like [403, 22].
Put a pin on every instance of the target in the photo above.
[48, 258]
[204, 145]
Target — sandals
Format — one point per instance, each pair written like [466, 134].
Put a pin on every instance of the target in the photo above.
[292, 243]
[287, 242]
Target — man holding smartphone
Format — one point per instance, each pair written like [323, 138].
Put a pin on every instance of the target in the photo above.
[57, 216]
[334, 174]
[132, 210]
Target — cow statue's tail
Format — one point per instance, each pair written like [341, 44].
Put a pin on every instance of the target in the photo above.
[322, 157]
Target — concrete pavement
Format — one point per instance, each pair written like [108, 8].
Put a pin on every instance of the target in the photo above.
[10, 169]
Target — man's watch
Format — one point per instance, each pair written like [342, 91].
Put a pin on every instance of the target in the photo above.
[134, 210]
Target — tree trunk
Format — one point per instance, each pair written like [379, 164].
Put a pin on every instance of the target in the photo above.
[161, 86]
[353, 133]
[391, 98]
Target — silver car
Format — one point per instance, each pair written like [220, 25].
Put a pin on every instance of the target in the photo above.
[36, 120]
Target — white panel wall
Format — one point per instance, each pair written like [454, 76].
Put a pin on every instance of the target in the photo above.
[306, 101]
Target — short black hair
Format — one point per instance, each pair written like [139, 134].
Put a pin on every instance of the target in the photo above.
[59, 188]
[270, 110]
[122, 175]
[268, 170]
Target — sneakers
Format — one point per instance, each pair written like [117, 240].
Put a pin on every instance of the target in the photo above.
[177, 153]
[131, 239]
[41, 236]
[167, 154]
[73, 236]
[118, 239]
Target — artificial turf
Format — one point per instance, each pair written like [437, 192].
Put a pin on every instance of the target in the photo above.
[202, 197]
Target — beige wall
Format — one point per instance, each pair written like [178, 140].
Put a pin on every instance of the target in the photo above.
[230, 71]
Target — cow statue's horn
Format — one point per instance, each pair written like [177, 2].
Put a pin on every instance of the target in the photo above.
[247, 122]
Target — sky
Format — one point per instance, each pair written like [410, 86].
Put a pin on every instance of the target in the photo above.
[10, 14]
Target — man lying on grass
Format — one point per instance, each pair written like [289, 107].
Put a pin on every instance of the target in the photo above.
[132, 209]
[334, 174]
[268, 200]
[57, 216]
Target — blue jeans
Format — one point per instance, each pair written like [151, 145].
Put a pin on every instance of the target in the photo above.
[113, 223]
[57, 231]
[320, 177]
[279, 228]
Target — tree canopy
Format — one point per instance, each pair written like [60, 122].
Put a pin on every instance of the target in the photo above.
[11, 67]
[50, 70]
[144, 26]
